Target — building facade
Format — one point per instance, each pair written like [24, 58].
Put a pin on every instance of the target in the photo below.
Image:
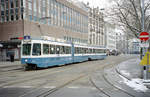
[121, 41]
[110, 30]
[55, 18]
[134, 46]
[96, 27]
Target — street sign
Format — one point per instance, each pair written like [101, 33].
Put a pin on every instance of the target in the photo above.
[27, 37]
[144, 44]
[146, 59]
[144, 36]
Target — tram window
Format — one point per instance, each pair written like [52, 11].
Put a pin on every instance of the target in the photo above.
[91, 51]
[57, 49]
[101, 51]
[52, 49]
[88, 51]
[26, 49]
[68, 50]
[36, 49]
[84, 50]
[104, 51]
[96, 50]
[62, 49]
[45, 49]
[78, 50]
[75, 49]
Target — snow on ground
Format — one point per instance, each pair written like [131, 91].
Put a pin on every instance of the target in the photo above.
[125, 72]
[137, 84]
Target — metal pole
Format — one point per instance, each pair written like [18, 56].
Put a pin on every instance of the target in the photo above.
[142, 6]
[143, 15]
[145, 67]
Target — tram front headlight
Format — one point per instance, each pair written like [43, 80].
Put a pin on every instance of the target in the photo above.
[26, 60]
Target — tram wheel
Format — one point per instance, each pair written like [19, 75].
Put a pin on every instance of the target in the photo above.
[34, 67]
[26, 68]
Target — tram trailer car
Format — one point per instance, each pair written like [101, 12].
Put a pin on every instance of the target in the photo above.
[44, 53]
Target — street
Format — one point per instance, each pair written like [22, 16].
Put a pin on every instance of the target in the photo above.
[74, 80]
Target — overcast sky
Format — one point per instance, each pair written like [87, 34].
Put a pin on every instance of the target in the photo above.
[100, 3]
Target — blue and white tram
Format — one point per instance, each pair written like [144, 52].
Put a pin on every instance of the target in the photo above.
[45, 53]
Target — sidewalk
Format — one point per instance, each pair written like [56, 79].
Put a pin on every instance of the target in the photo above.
[131, 69]
[4, 64]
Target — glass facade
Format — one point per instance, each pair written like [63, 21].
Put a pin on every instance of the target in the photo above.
[33, 10]
[11, 10]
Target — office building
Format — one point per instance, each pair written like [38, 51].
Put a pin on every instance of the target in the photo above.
[59, 19]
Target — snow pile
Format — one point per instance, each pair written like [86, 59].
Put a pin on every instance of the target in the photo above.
[125, 72]
[136, 84]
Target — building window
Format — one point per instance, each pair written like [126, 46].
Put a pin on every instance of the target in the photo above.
[2, 12]
[30, 5]
[12, 17]
[16, 3]
[2, 6]
[17, 17]
[11, 4]
[2, 1]
[3, 19]
[7, 5]
[22, 12]
[7, 18]
[22, 3]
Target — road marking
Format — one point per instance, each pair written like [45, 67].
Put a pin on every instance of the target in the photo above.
[18, 87]
[78, 87]
[50, 87]
[74, 87]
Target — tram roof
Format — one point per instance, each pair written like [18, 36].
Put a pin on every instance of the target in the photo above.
[62, 43]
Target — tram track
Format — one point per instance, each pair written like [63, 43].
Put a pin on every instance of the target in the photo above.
[31, 77]
[102, 90]
[10, 71]
[51, 91]
[46, 74]
[35, 75]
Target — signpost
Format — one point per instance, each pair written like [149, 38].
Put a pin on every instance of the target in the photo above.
[144, 36]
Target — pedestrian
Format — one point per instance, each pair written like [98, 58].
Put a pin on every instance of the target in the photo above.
[12, 56]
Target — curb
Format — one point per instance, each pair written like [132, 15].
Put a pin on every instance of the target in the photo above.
[118, 71]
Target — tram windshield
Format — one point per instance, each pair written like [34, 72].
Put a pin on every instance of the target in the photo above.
[36, 49]
[26, 49]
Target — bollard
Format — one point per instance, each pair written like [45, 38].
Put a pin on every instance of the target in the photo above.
[144, 73]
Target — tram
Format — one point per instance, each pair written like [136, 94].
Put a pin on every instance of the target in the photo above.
[43, 53]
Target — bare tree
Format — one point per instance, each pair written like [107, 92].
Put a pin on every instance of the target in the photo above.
[128, 14]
